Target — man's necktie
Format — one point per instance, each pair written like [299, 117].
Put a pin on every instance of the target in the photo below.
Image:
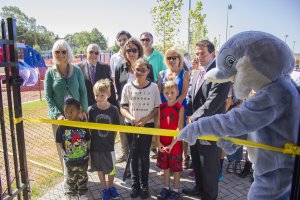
[93, 72]
[200, 77]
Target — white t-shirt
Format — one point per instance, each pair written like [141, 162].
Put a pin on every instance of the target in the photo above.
[140, 101]
[115, 60]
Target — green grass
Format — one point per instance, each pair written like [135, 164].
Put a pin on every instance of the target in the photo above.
[33, 105]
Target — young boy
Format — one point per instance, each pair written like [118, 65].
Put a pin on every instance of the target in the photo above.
[139, 104]
[102, 142]
[169, 158]
[75, 147]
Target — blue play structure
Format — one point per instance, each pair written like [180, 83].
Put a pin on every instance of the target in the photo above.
[32, 66]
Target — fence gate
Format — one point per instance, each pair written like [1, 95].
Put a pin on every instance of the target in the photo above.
[13, 162]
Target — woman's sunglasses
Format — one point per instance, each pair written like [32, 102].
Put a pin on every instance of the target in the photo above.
[133, 50]
[63, 52]
[172, 57]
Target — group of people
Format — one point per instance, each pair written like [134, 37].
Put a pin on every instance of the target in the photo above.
[143, 88]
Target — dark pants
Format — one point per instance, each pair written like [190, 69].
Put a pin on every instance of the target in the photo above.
[77, 179]
[206, 164]
[142, 152]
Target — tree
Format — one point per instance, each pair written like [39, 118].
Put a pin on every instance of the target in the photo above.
[198, 29]
[166, 18]
[80, 41]
[27, 28]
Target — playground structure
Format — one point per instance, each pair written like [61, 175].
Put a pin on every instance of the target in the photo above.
[31, 65]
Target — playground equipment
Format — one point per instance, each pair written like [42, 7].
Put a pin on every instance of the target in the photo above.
[31, 64]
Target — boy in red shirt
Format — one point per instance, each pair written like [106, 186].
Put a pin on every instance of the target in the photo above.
[169, 158]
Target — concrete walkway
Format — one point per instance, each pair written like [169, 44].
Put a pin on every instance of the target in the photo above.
[231, 188]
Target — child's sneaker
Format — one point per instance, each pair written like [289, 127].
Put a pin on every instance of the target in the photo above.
[174, 195]
[221, 177]
[105, 194]
[164, 194]
[113, 193]
[144, 193]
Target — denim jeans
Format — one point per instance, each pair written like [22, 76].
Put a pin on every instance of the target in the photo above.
[274, 185]
[236, 156]
[142, 152]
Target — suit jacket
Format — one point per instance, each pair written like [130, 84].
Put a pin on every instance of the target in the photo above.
[103, 71]
[210, 99]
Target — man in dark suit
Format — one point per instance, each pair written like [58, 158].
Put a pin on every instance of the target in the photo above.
[93, 70]
[207, 99]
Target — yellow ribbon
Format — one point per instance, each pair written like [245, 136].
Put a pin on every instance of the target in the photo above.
[289, 148]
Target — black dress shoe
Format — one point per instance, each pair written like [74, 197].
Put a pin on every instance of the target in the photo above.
[135, 192]
[191, 191]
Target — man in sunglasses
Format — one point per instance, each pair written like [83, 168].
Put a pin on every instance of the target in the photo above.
[156, 59]
[94, 70]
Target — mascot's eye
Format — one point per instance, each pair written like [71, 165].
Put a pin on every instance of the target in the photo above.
[230, 60]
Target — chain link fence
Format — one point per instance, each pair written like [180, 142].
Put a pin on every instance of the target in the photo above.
[43, 163]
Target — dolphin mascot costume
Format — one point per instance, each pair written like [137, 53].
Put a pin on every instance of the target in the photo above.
[261, 62]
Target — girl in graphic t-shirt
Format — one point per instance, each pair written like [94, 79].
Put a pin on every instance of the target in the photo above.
[139, 104]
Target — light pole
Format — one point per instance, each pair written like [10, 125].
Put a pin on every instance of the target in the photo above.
[228, 8]
[189, 28]
[219, 40]
[294, 45]
[230, 27]
[286, 36]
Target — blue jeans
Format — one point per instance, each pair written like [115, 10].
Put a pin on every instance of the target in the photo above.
[274, 185]
[237, 156]
[142, 152]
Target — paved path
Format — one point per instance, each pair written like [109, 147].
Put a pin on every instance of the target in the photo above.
[231, 188]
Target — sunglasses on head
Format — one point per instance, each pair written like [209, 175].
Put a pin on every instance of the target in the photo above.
[172, 57]
[133, 50]
[64, 52]
[145, 39]
[94, 52]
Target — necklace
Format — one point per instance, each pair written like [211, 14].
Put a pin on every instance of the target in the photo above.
[66, 71]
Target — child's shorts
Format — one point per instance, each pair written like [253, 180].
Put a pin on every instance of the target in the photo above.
[103, 161]
[172, 161]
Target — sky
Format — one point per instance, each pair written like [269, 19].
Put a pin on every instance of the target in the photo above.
[278, 17]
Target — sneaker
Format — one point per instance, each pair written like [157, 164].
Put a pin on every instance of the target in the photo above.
[121, 159]
[113, 193]
[174, 195]
[192, 174]
[144, 194]
[153, 153]
[164, 194]
[229, 168]
[83, 197]
[134, 192]
[186, 162]
[161, 173]
[105, 194]
[221, 177]
[237, 168]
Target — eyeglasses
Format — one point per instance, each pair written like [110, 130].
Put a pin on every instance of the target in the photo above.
[172, 58]
[141, 70]
[145, 40]
[133, 50]
[94, 52]
[63, 52]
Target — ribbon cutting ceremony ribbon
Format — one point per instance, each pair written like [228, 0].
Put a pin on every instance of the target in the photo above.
[289, 148]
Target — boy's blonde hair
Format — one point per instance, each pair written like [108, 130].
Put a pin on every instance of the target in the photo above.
[170, 84]
[102, 85]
